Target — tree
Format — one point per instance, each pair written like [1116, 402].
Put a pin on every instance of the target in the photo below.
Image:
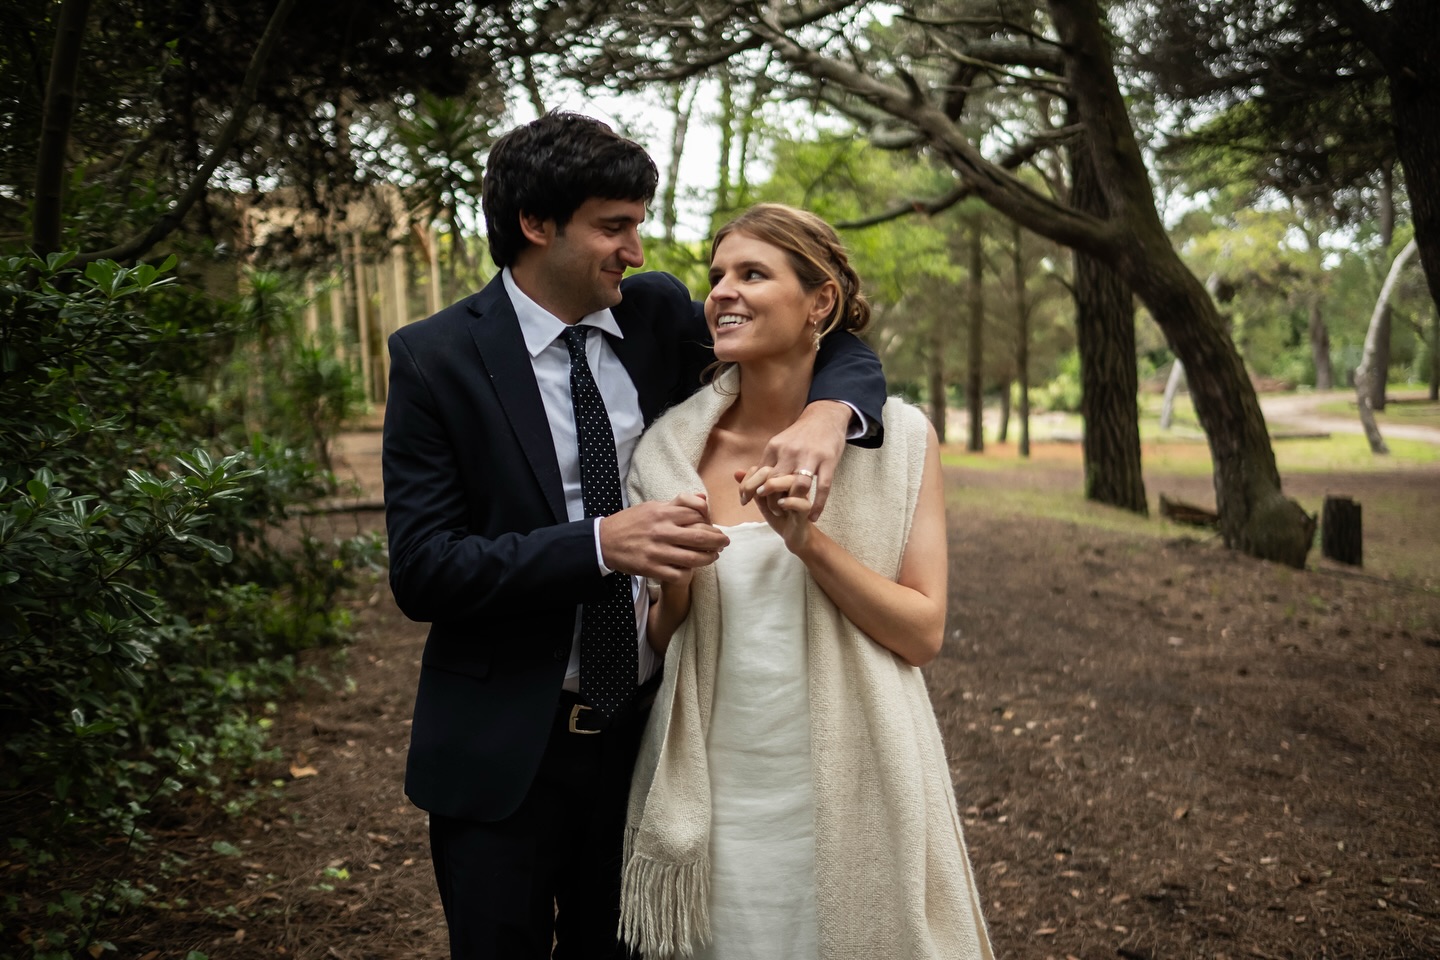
[1346, 85]
[157, 114]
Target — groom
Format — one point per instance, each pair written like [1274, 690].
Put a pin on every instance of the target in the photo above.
[509, 427]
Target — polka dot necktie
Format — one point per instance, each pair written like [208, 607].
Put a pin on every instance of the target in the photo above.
[609, 659]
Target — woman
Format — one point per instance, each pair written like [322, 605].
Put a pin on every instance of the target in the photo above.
[792, 796]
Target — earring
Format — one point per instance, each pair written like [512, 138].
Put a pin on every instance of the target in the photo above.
[816, 336]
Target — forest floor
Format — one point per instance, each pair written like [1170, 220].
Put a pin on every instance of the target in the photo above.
[1161, 749]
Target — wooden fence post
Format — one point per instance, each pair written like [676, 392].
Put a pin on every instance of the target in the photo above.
[1340, 530]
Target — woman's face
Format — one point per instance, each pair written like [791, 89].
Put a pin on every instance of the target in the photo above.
[757, 307]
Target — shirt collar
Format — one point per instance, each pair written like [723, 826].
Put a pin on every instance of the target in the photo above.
[540, 327]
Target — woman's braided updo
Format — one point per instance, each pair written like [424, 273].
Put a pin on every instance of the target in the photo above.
[816, 255]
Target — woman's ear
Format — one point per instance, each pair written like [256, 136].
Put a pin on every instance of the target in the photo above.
[824, 304]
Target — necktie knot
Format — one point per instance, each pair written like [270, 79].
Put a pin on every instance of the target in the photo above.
[575, 339]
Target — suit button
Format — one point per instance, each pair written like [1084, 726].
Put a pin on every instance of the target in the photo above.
[560, 653]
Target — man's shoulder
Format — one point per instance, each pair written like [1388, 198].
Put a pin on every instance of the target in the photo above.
[654, 290]
[454, 320]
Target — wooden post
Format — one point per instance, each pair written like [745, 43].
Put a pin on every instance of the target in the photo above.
[1340, 531]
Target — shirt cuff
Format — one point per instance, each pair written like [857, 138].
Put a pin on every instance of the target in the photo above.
[860, 429]
[599, 555]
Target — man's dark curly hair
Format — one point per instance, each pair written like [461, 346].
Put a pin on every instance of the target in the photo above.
[547, 168]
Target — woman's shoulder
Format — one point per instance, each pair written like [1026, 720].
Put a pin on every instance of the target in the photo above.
[905, 422]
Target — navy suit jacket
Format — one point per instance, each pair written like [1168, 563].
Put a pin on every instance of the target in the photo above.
[480, 543]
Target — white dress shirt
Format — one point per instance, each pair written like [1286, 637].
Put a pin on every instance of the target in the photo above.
[550, 358]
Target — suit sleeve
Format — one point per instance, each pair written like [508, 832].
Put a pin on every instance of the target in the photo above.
[847, 369]
[439, 571]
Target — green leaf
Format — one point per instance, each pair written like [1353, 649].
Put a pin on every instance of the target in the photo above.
[225, 848]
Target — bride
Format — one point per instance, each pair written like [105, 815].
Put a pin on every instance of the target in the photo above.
[792, 797]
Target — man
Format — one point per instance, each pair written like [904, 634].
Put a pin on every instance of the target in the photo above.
[508, 431]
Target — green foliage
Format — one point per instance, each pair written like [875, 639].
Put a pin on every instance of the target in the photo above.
[147, 604]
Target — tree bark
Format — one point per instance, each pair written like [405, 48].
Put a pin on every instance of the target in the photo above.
[59, 111]
[975, 359]
[1109, 379]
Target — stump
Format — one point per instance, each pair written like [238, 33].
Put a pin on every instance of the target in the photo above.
[1340, 533]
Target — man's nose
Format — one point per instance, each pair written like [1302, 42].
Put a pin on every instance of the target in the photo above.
[633, 252]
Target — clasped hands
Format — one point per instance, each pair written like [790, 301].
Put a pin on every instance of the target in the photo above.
[668, 541]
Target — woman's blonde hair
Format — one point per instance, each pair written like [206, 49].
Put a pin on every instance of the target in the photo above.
[816, 255]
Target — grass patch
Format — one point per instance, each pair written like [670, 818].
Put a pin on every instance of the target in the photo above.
[1065, 507]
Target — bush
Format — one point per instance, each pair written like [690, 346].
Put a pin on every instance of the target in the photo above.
[148, 601]
[1063, 393]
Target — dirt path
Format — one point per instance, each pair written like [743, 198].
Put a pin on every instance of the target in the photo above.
[1301, 411]
[1161, 751]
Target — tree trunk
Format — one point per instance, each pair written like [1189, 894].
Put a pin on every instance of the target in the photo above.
[975, 361]
[680, 114]
[1002, 432]
[1369, 368]
[1109, 378]
[1022, 346]
[1435, 355]
[1381, 363]
[1320, 348]
[1255, 516]
[727, 140]
[936, 374]
[1173, 383]
[1414, 70]
[59, 111]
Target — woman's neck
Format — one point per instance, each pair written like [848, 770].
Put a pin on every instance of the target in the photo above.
[773, 393]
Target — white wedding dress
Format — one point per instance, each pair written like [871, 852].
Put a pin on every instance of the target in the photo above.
[762, 846]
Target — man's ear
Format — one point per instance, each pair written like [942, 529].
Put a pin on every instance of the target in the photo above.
[536, 230]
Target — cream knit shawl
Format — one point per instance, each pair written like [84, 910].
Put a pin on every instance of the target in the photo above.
[892, 876]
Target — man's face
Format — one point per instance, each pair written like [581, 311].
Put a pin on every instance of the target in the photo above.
[579, 267]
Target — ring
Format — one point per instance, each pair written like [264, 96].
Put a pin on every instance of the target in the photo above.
[806, 473]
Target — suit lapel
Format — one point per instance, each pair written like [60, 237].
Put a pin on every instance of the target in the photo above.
[496, 331]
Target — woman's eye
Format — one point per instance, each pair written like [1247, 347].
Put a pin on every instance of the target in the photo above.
[753, 274]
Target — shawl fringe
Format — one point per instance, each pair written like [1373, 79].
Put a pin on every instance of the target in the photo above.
[664, 906]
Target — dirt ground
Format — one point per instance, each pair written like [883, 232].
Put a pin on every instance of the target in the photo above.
[1162, 750]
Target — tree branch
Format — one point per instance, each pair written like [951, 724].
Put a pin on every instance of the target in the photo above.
[961, 191]
[996, 186]
[162, 228]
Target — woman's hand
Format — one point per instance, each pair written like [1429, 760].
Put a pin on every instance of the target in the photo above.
[782, 502]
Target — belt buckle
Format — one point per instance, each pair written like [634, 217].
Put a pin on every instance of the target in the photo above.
[575, 716]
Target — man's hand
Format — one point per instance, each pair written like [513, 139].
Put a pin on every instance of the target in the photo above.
[663, 541]
[809, 450]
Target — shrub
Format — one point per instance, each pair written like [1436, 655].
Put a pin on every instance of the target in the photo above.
[149, 597]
